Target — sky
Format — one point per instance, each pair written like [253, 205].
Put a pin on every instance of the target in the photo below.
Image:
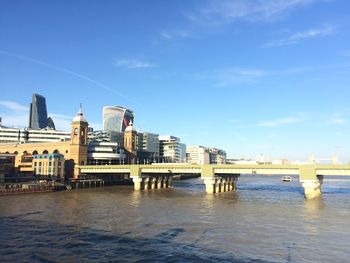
[251, 77]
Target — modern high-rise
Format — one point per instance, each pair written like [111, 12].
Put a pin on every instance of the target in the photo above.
[38, 113]
[171, 150]
[149, 142]
[116, 118]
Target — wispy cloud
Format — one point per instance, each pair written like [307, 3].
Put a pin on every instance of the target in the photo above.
[233, 76]
[173, 34]
[67, 71]
[11, 105]
[228, 11]
[14, 114]
[133, 64]
[281, 121]
[339, 121]
[300, 36]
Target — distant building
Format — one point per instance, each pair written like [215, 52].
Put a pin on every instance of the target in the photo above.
[7, 166]
[149, 142]
[217, 156]
[106, 136]
[241, 161]
[73, 149]
[148, 147]
[280, 162]
[171, 150]
[49, 165]
[38, 114]
[116, 118]
[24, 135]
[131, 144]
[105, 153]
[197, 155]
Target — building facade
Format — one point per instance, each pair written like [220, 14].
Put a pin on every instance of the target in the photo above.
[149, 142]
[7, 166]
[217, 156]
[24, 135]
[105, 153]
[38, 113]
[197, 155]
[171, 150]
[116, 118]
[106, 136]
[49, 165]
[131, 144]
[74, 150]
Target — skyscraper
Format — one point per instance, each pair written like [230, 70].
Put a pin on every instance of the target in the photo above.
[38, 112]
[116, 118]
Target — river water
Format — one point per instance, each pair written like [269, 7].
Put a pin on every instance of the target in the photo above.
[266, 220]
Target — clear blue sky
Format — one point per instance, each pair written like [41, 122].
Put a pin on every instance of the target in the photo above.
[247, 76]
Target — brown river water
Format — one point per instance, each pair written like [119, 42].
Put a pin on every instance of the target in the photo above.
[266, 220]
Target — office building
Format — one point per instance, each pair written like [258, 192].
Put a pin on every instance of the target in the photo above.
[106, 136]
[197, 155]
[24, 135]
[116, 118]
[149, 142]
[105, 153]
[49, 165]
[217, 156]
[37, 113]
[171, 150]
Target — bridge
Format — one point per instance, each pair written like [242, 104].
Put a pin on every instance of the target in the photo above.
[218, 178]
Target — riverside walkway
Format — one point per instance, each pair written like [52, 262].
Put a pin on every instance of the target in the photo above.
[218, 178]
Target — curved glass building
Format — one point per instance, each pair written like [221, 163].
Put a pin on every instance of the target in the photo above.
[116, 118]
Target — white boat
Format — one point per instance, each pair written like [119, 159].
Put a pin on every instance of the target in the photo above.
[287, 178]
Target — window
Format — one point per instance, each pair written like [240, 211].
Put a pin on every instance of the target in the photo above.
[76, 131]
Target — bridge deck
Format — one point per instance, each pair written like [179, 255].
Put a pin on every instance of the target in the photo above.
[212, 170]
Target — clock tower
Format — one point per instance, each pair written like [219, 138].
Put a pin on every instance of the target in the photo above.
[79, 141]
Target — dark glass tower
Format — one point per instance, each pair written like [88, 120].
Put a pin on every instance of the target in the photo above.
[38, 113]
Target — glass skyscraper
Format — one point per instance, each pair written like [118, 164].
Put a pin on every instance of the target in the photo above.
[116, 118]
[38, 113]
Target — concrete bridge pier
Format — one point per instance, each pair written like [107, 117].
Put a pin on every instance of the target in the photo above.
[224, 185]
[218, 184]
[159, 182]
[170, 179]
[135, 175]
[229, 184]
[165, 180]
[312, 188]
[153, 182]
[138, 182]
[210, 185]
[146, 181]
[310, 182]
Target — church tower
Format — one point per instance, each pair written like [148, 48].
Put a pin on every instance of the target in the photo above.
[79, 141]
[130, 143]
